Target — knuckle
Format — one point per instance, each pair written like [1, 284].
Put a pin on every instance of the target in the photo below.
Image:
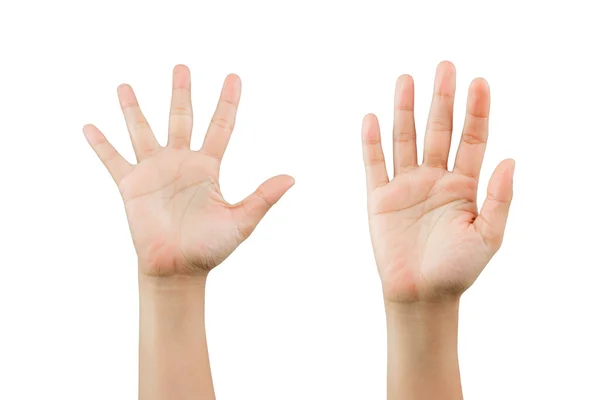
[439, 124]
[404, 136]
[472, 138]
[373, 161]
[405, 108]
[129, 105]
[498, 200]
[261, 194]
[436, 160]
[371, 142]
[140, 125]
[222, 123]
[373, 156]
[110, 156]
[225, 103]
[444, 96]
[181, 111]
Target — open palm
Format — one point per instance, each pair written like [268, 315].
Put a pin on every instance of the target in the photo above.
[429, 239]
[178, 218]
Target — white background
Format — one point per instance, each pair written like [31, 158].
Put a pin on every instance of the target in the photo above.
[296, 311]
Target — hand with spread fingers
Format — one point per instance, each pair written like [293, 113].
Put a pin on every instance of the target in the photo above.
[429, 238]
[178, 218]
[181, 228]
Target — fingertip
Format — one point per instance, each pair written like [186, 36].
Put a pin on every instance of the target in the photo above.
[87, 128]
[181, 76]
[287, 181]
[404, 94]
[291, 180]
[445, 79]
[479, 84]
[232, 88]
[93, 134]
[507, 166]
[369, 120]
[446, 67]
[233, 81]
[404, 80]
[512, 162]
[233, 77]
[124, 87]
[369, 128]
[479, 91]
[181, 68]
[126, 96]
[478, 100]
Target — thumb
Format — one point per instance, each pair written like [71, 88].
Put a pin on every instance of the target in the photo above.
[492, 219]
[254, 207]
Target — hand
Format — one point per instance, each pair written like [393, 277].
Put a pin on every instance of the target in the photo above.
[429, 239]
[178, 218]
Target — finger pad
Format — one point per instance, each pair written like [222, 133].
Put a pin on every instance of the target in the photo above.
[232, 88]
[181, 77]
[370, 129]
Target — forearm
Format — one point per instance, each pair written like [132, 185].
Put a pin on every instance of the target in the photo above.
[422, 351]
[173, 355]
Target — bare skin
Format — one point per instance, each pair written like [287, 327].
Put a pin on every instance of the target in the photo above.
[181, 228]
[429, 239]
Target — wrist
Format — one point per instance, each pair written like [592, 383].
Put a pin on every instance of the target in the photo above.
[171, 301]
[443, 308]
[171, 284]
[165, 267]
[424, 325]
[159, 278]
[423, 319]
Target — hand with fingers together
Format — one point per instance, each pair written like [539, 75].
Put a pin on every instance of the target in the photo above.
[429, 239]
[181, 228]
[178, 218]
